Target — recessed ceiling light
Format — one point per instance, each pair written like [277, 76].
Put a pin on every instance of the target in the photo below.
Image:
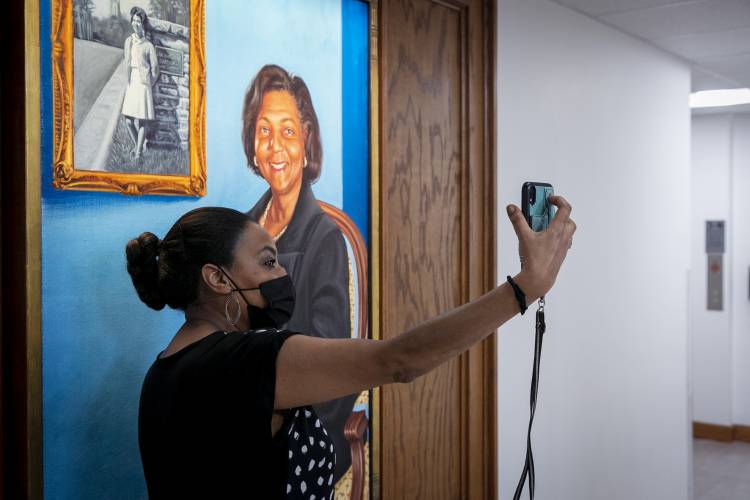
[723, 97]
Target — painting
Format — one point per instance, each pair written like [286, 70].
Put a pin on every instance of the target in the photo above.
[318, 244]
[129, 96]
[297, 125]
[282, 99]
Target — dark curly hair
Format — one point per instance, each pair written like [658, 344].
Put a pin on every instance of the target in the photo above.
[137, 11]
[268, 79]
[168, 272]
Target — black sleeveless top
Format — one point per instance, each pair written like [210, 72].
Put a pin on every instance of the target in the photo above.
[204, 425]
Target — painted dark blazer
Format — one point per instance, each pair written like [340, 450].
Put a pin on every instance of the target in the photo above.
[313, 252]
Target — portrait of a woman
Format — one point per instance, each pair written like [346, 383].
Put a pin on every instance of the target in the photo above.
[282, 142]
[143, 71]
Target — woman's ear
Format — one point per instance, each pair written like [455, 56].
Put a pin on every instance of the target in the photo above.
[215, 280]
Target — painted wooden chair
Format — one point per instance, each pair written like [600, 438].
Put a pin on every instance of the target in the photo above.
[356, 424]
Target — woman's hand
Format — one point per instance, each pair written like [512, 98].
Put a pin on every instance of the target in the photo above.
[542, 253]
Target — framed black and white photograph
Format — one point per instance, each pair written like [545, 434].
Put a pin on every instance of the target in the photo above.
[129, 92]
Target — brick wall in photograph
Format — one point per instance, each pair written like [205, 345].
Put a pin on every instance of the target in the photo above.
[172, 90]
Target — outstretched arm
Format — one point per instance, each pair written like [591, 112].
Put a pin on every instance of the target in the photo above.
[312, 370]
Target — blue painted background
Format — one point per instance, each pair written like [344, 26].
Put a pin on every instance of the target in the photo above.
[355, 112]
[98, 339]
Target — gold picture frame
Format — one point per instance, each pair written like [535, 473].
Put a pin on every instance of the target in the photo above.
[65, 173]
[375, 237]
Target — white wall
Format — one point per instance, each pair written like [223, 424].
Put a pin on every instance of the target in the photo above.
[605, 119]
[721, 339]
[741, 269]
[712, 363]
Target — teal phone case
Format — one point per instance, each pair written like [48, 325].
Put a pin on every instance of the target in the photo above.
[540, 212]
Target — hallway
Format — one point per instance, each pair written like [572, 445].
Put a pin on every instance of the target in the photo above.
[721, 471]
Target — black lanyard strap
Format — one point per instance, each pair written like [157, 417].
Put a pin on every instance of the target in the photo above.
[528, 468]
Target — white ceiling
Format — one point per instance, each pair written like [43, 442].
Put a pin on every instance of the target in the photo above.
[712, 35]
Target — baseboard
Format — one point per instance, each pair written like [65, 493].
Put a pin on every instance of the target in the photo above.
[741, 433]
[715, 432]
[725, 433]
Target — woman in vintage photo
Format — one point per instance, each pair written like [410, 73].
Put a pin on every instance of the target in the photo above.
[282, 142]
[225, 409]
[143, 71]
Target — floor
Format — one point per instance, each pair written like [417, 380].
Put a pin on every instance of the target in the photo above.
[721, 471]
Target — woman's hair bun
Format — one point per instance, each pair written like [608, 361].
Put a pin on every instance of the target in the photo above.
[142, 255]
[168, 272]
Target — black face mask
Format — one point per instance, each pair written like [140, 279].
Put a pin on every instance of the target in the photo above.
[279, 293]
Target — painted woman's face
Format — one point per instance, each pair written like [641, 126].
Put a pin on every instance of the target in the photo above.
[279, 142]
[137, 25]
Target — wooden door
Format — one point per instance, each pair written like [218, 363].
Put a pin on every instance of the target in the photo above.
[437, 239]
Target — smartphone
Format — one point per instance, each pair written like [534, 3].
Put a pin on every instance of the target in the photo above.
[537, 210]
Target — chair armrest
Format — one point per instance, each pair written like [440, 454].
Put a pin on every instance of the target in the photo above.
[354, 431]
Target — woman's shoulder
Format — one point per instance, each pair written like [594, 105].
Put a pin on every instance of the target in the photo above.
[147, 47]
[327, 225]
[326, 233]
[225, 352]
[255, 338]
[311, 211]
[260, 340]
[221, 343]
[310, 225]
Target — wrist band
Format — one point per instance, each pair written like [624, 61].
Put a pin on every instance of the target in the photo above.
[520, 296]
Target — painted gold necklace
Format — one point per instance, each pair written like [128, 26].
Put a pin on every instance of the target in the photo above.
[265, 216]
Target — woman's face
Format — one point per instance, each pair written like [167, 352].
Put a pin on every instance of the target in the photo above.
[137, 25]
[279, 142]
[255, 261]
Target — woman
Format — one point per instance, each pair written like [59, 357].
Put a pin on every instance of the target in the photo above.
[225, 408]
[281, 139]
[143, 71]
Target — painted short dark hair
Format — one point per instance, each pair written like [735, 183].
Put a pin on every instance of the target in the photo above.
[168, 271]
[137, 11]
[270, 78]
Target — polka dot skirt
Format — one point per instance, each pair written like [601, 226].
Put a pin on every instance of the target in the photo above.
[312, 458]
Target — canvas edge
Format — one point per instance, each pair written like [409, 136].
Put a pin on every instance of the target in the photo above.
[35, 485]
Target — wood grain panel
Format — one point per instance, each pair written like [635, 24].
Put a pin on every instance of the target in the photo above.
[437, 241]
[422, 244]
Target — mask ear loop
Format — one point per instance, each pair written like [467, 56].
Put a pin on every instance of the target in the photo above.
[236, 288]
[234, 295]
[235, 320]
